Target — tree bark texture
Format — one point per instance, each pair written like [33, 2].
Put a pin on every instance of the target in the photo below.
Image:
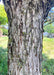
[26, 19]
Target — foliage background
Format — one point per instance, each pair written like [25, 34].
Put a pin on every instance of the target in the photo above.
[3, 16]
[49, 28]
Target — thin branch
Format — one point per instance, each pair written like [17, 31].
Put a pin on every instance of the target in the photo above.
[49, 23]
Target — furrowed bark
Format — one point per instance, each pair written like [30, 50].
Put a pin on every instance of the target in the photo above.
[25, 36]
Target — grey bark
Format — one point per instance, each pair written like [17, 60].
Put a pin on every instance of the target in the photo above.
[26, 19]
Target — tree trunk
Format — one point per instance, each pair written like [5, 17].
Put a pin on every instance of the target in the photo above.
[25, 37]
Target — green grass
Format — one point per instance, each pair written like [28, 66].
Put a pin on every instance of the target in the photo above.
[48, 56]
[48, 47]
[3, 55]
[3, 42]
